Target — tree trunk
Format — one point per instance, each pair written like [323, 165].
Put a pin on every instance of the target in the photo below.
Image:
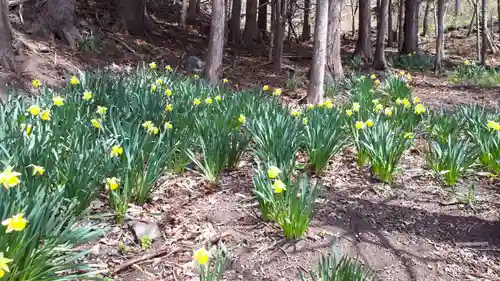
[379, 61]
[235, 22]
[478, 33]
[426, 18]
[457, 8]
[401, 24]
[6, 51]
[192, 12]
[184, 8]
[390, 33]
[498, 16]
[410, 32]
[306, 26]
[250, 32]
[483, 32]
[364, 44]
[262, 20]
[131, 17]
[316, 83]
[279, 34]
[440, 37]
[334, 61]
[216, 43]
[272, 36]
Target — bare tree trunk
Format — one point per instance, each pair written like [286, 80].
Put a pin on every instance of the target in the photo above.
[483, 32]
[478, 34]
[410, 28]
[498, 15]
[184, 8]
[333, 59]
[270, 55]
[457, 8]
[131, 17]
[216, 43]
[279, 34]
[440, 37]
[6, 51]
[192, 12]
[364, 44]
[235, 23]
[316, 83]
[379, 61]
[401, 24]
[262, 20]
[390, 33]
[306, 26]
[426, 18]
[250, 32]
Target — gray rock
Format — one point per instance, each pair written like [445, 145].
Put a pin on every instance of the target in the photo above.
[142, 229]
[194, 65]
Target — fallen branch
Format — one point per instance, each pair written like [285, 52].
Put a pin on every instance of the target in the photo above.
[124, 44]
[11, 3]
[162, 252]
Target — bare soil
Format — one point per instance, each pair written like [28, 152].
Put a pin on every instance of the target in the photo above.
[407, 231]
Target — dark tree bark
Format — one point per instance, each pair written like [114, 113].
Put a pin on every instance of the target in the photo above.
[334, 61]
[235, 22]
[390, 33]
[183, 18]
[364, 45]
[401, 8]
[484, 38]
[198, 6]
[306, 25]
[193, 11]
[262, 20]
[216, 43]
[279, 35]
[410, 27]
[316, 83]
[426, 18]
[379, 61]
[440, 37]
[6, 51]
[250, 32]
[498, 16]
[478, 33]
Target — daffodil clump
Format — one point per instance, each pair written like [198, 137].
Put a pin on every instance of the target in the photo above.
[471, 73]
[211, 264]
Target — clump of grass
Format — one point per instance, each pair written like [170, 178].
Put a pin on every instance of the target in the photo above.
[470, 73]
[414, 61]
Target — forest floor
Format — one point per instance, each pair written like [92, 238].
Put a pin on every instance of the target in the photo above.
[409, 231]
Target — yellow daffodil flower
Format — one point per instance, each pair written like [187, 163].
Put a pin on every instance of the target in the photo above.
[399, 101]
[168, 92]
[328, 103]
[147, 124]
[218, 98]
[74, 81]
[265, 88]
[168, 125]
[305, 121]
[416, 100]
[36, 83]
[492, 125]
[208, 100]
[225, 81]
[408, 135]
[153, 130]
[310, 106]
[378, 108]
[373, 76]
[26, 128]
[96, 123]
[38, 170]
[101, 110]
[376, 82]
[9, 178]
[196, 76]
[3, 265]
[169, 107]
[16, 223]
[466, 62]
[112, 183]
[348, 112]
[159, 81]
[388, 111]
[355, 107]
[116, 151]
[45, 115]
[369, 123]
[406, 103]
[152, 65]
[273, 172]
[87, 95]
[419, 109]
[201, 256]
[168, 68]
[34, 110]
[196, 101]
[360, 125]
[278, 186]
[277, 92]
[242, 119]
[295, 113]
[153, 87]
[58, 100]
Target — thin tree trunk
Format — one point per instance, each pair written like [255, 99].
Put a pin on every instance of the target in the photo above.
[353, 16]
[333, 60]
[6, 51]
[410, 32]
[483, 32]
[498, 15]
[379, 61]
[478, 34]
[390, 33]
[401, 8]
[457, 8]
[216, 42]
[272, 30]
[198, 6]
[184, 9]
[262, 19]
[235, 22]
[364, 45]
[306, 26]
[316, 84]
[440, 37]
[279, 34]
[250, 32]
[426, 18]
[471, 24]
[192, 12]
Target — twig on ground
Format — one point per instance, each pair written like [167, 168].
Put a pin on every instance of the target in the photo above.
[123, 43]
[164, 251]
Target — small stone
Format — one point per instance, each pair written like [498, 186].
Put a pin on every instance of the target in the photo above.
[142, 229]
